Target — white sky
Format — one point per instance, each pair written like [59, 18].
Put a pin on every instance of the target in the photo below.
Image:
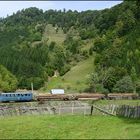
[8, 7]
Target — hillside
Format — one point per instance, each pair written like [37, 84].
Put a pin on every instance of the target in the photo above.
[75, 80]
[36, 44]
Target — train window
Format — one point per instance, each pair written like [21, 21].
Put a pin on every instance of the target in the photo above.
[18, 94]
[25, 94]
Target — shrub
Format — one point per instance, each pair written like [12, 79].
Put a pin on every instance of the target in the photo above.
[124, 85]
[8, 82]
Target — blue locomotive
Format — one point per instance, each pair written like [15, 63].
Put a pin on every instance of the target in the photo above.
[18, 96]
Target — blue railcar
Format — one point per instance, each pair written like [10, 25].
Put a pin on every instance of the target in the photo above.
[18, 96]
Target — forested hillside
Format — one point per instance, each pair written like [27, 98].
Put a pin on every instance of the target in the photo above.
[35, 44]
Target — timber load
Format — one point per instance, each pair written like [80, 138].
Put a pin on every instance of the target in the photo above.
[122, 96]
[91, 95]
[44, 97]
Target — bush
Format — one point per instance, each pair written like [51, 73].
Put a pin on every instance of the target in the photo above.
[8, 82]
[26, 82]
[68, 87]
[78, 82]
[125, 85]
[37, 37]
[97, 88]
[64, 69]
[138, 86]
[101, 89]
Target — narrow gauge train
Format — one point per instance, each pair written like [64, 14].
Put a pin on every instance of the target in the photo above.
[17, 96]
[28, 96]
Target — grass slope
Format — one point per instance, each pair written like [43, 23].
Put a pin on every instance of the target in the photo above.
[50, 34]
[74, 80]
[68, 127]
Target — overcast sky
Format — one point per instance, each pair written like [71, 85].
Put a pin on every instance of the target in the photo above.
[8, 7]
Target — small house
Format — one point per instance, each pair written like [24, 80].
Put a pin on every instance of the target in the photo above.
[57, 91]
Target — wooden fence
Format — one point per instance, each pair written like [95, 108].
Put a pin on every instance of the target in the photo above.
[59, 108]
[66, 107]
[128, 111]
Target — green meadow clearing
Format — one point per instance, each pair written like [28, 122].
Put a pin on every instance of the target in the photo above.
[69, 127]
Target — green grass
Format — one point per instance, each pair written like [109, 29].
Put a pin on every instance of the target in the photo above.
[68, 127]
[51, 35]
[117, 102]
[76, 79]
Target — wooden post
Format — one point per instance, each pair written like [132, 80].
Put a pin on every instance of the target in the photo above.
[85, 109]
[60, 110]
[72, 108]
[91, 110]
[113, 107]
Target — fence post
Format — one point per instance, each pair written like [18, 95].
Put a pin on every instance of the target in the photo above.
[91, 110]
[85, 109]
[113, 108]
[60, 110]
[72, 108]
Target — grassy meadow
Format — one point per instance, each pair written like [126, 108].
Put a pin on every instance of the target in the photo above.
[69, 127]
